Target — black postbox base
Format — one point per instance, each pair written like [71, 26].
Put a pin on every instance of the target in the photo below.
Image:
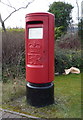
[40, 95]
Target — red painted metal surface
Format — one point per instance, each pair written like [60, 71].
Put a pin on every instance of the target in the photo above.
[40, 49]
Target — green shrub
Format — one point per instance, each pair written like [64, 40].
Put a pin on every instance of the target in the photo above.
[13, 52]
[65, 59]
[58, 31]
[13, 59]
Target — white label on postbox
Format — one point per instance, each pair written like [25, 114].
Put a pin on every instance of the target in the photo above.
[35, 33]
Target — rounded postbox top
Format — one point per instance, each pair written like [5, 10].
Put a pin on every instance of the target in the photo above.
[39, 13]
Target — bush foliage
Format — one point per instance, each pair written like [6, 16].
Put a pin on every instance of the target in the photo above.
[58, 32]
[64, 59]
[13, 53]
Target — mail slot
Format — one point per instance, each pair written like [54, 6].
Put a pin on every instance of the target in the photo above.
[39, 46]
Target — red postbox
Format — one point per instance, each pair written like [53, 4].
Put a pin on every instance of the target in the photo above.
[39, 48]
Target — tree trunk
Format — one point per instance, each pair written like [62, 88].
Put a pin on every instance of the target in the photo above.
[3, 26]
[2, 23]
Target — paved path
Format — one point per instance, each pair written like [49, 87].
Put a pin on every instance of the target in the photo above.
[11, 114]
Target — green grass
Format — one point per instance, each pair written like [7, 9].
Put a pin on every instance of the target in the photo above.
[67, 93]
[12, 91]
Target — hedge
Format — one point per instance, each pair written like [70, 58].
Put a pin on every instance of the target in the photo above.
[65, 59]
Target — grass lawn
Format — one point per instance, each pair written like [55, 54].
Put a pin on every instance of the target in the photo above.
[67, 99]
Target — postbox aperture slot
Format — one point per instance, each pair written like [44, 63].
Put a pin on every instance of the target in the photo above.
[35, 22]
[35, 33]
